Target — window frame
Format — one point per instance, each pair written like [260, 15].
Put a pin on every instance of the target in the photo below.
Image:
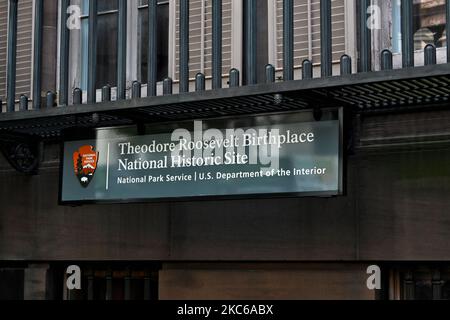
[382, 39]
[404, 278]
[138, 44]
[84, 17]
[133, 70]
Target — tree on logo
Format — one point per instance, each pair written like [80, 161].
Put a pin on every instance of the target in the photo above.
[79, 165]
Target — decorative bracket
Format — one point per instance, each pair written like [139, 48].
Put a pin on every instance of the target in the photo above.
[23, 154]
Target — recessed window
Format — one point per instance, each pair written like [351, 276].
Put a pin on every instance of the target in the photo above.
[162, 43]
[428, 24]
[116, 283]
[107, 24]
[422, 282]
[262, 37]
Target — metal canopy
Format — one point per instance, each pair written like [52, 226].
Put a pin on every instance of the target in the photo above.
[387, 90]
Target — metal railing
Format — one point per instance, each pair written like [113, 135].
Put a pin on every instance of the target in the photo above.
[364, 48]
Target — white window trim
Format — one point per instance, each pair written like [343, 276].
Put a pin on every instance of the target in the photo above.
[351, 43]
[172, 39]
[237, 25]
[33, 19]
[132, 55]
[272, 31]
[74, 56]
[58, 58]
[132, 42]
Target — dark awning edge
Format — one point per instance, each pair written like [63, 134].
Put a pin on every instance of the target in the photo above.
[366, 92]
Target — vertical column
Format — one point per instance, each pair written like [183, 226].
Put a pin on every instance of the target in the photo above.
[92, 52]
[122, 51]
[109, 279]
[37, 65]
[127, 285]
[12, 54]
[50, 100]
[436, 283]
[136, 90]
[200, 82]
[64, 55]
[270, 73]
[307, 69]
[152, 47]
[325, 38]
[23, 103]
[106, 93]
[288, 39]
[346, 65]
[250, 35]
[77, 96]
[386, 60]
[217, 44]
[408, 284]
[396, 26]
[90, 288]
[365, 53]
[50, 45]
[407, 33]
[234, 78]
[184, 46]
[167, 86]
[447, 28]
[147, 285]
[429, 55]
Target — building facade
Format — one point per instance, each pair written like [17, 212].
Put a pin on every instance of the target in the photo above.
[71, 66]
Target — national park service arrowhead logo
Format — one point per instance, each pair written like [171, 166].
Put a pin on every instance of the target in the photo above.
[85, 163]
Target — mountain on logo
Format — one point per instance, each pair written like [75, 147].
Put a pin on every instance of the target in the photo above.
[85, 163]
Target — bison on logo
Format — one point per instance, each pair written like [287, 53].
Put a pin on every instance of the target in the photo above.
[85, 163]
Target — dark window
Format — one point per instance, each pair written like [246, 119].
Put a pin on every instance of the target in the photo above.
[106, 43]
[425, 283]
[429, 23]
[445, 282]
[118, 288]
[107, 49]
[114, 282]
[162, 41]
[11, 284]
[423, 289]
[137, 287]
[446, 290]
[99, 287]
[106, 5]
